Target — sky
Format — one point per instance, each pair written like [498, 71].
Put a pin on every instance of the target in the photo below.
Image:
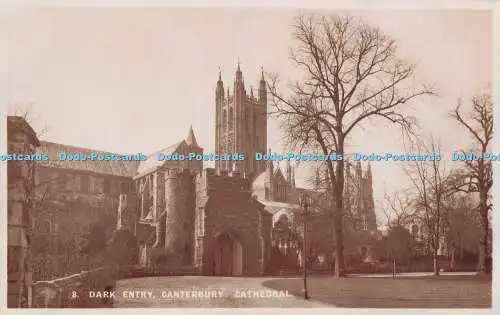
[131, 80]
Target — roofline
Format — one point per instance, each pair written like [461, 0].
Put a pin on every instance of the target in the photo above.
[83, 171]
[147, 172]
[79, 148]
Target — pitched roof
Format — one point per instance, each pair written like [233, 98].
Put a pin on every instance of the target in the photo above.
[152, 161]
[113, 168]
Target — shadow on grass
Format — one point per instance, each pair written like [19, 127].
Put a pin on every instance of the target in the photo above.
[421, 292]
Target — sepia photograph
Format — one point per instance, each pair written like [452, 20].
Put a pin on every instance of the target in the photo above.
[225, 157]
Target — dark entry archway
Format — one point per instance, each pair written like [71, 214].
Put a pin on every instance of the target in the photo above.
[228, 255]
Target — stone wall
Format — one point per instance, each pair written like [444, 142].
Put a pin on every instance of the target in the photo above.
[21, 139]
[225, 202]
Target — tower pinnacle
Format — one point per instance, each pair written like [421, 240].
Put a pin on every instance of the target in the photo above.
[262, 88]
[239, 75]
[191, 139]
[220, 88]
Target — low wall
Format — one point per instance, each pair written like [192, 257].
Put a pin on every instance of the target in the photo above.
[75, 291]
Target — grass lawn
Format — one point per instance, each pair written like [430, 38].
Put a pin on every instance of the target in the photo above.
[418, 292]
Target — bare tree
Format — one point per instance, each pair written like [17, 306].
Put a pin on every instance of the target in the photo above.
[478, 176]
[352, 74]
[27, 112]
[462, 227]
[399, 209]
[429, 179]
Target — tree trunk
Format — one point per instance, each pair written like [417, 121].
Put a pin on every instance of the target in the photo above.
[436, 263]
[452, 259]
[483, 266]
[338, 218]
[339, 248]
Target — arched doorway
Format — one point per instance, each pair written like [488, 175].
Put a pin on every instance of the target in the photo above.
[228, 256]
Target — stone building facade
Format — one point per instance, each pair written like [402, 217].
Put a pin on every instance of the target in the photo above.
[21, 139]
[211, 221]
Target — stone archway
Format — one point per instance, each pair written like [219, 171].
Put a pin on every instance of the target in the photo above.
[228, 255]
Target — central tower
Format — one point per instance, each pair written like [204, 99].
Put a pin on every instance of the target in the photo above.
[241, 125]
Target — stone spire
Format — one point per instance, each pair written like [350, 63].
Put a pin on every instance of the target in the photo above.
[239, 74]
[191, 139]
[219, 91]
[262, 88]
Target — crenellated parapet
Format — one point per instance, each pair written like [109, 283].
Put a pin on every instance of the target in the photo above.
[212, 182]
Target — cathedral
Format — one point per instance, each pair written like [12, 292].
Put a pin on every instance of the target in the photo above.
[209, 221]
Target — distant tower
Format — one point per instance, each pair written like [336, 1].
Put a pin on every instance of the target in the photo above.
[360, 200]
[219, 104]
[241, 125]
[369, 173]
[359, 171]
[369, 203]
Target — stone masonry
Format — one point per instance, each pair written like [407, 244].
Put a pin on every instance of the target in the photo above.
[21, 139]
